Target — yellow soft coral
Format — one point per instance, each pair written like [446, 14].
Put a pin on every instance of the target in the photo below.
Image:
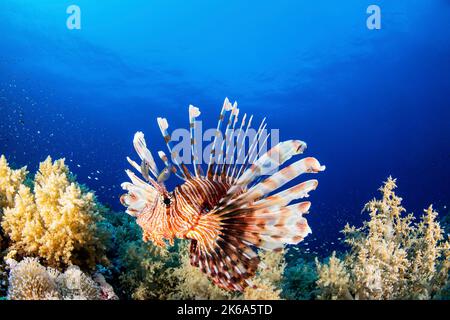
[390, 257]
[273, 266]
[10, 181]
[333, 279]
[20, 225]
[58, 222]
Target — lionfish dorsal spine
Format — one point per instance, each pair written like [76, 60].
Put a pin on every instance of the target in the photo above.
[221, 158]
[252, 147]
[164, 128]
[239, 154]
[220, 154]
[233, 152]
[228, 137]
[194, 112]
[225, 108]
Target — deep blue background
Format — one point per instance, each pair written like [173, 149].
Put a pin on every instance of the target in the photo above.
[369, 103]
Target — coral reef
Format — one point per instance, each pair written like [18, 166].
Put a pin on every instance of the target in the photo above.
[299, 279]
[69, 246]
[144, 271]
[56, 221]
[268, 278]
[29, 280]
[73, 284]
[333, 280]
[192, 284]
[10, 181]
[391, 257]
[147, 273]
[106, 290]
[140, 270]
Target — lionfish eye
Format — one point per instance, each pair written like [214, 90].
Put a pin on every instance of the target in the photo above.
[166, 201]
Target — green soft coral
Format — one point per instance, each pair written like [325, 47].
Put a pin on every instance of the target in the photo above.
[140, 270]
[144, 271]
[299, 279]
[391, 257]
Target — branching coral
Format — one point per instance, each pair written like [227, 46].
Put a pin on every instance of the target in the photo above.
[56, 221]
[141, 270]
[148, 272]
[333, 281]
[193, 284]
[106, 290]
[59, 222]
[10, 181]
[29, 280]
[391, 257]
[299, 279]
[268, 278]
[73, 284]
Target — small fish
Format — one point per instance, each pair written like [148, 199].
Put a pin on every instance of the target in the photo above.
[145, 170]
[164, 175]
[228, 212]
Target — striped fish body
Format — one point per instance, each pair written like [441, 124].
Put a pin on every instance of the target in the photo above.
[230, 212]
[177, 215]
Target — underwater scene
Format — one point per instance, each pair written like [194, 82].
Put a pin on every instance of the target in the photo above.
[224, 150]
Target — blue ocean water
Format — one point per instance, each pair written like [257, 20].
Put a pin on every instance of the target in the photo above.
[369, 103]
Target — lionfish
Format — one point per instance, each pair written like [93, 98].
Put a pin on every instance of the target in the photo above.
[231, 211]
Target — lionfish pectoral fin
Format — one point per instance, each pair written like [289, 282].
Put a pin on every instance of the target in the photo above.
[254, 217]
[139, 194]
[145, 154]
[225, 258]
